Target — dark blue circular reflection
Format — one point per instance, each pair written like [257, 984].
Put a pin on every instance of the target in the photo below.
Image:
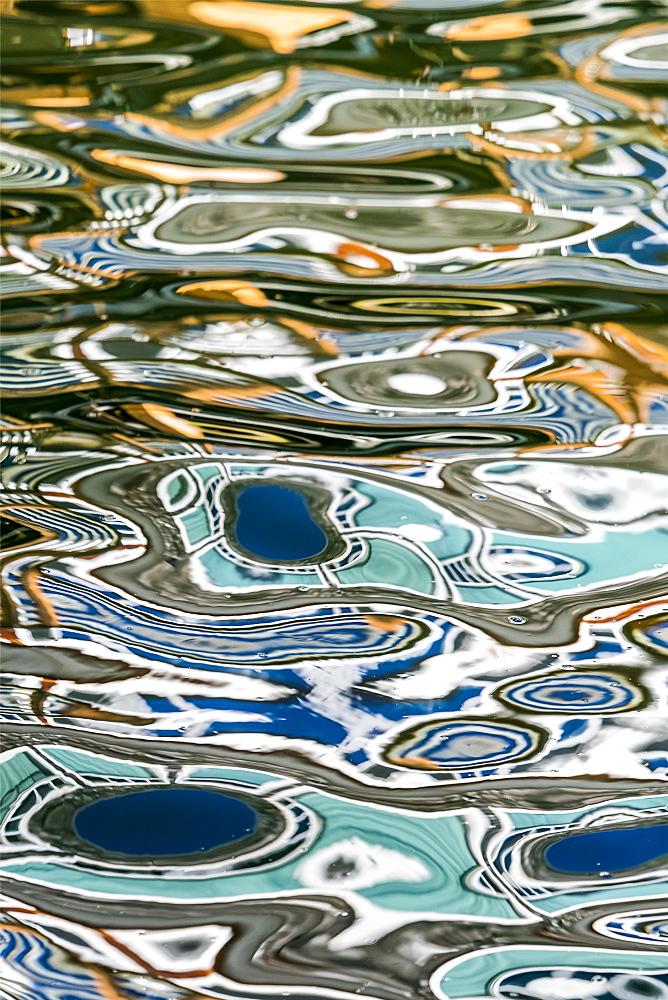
[274, 523]
[608, 850]
[165, 822]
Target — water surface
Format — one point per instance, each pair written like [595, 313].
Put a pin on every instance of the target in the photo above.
[335, 500]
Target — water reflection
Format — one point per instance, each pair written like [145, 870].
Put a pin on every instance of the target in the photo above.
[335, 505]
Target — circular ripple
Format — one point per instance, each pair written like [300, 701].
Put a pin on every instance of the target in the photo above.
[575, 693]
[172, 824]
[448, 380]
[650, 633]
[639, 928]
[580, 984]
[463, 745]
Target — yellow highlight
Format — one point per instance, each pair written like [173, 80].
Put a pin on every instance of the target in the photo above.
[174, 173]
[481, 73]
[163, 419]
[281, 26]
[242, 291]
[496, 26]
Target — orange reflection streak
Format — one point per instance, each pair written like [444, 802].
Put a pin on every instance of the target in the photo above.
[163, 419]
[632, 609]
[176, 173]
[225, 289]
[385, 623]
[622, 369]
[482, 73]
[169, 974]
[262, 23]
[496, 26]
[193, 132]
[45, 609]
[310, 333]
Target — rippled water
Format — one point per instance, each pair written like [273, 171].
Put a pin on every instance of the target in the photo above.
[336, 549]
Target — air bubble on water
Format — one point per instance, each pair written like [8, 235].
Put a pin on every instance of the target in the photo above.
[302, 588]
[516, 620]
[543, 489]
[351, 212]
[604, 874]
[479, 496]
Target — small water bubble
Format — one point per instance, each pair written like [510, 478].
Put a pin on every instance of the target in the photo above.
[479, 496]
[516, 620]
[302, 588]
[263, 656]
[604, 874]
[543, 489]
[256, 321]
[351, 212]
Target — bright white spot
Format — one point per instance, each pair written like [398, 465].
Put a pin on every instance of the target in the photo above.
[421, 532]
[355, 864]
[416, 383]
[562, 988]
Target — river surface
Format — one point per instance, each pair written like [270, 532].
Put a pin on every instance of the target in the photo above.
[336, 395]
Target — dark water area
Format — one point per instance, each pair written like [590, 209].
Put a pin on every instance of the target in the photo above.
[335, 608]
